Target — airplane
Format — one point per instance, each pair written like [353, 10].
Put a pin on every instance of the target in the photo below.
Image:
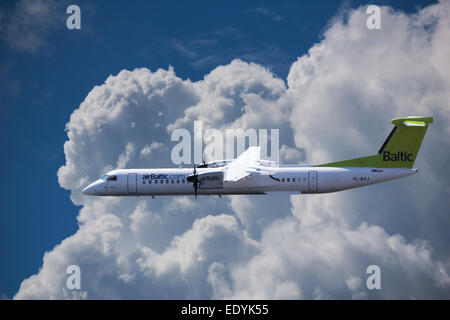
[249, 174]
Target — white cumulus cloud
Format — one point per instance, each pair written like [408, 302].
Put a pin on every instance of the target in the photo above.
[337, 104]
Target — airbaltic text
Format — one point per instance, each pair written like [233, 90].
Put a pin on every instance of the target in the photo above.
[399, 156]
[163, 176]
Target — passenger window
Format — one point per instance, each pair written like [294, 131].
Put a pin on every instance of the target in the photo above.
[178, 181]
[149, 181]
[171, 181]
[288, 179]
[293, 179]
[282, 179]
[167, 181]
[162, 181]
[156, 181]
[183, 180]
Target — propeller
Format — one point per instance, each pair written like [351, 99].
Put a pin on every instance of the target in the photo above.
[194, 179]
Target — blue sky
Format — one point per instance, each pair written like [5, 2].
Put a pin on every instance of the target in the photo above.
[40, 89]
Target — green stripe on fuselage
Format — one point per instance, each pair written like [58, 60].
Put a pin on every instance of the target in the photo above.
[369, 161]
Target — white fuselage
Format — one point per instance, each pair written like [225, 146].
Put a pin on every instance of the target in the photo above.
[305, 180]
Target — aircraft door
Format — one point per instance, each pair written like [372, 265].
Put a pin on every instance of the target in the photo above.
[312, 181]
[132, 183]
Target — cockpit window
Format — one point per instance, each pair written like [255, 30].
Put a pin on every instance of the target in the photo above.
[109, 178]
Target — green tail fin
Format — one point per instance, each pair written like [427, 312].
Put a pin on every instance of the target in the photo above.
[400, 148]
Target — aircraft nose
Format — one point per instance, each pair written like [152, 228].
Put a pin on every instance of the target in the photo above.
[91, 190]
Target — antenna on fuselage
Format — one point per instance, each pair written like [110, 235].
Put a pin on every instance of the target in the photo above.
[204, 164]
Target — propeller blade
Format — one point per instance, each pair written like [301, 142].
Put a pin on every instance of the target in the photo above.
[195, 188]
[194, 180]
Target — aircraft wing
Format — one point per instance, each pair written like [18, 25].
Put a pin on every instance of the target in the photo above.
[240, 168]
[236, 175]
